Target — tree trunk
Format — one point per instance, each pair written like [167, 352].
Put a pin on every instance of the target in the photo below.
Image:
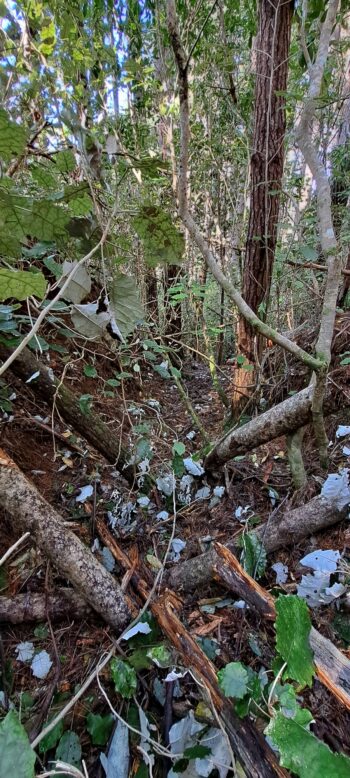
[266, 171]
[282, 419]
[30, 512]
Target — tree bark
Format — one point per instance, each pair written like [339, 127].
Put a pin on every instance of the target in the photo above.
[266, 171]
[36, 606]
[282, 419]
[89, 425]
[30, 512]
[278, 532]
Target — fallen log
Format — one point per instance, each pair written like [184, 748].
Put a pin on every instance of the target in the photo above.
[332, 666]
[89, 425]
[282, 419]
[279, 531]
[251, 749]
[36, 606]
[30, 512]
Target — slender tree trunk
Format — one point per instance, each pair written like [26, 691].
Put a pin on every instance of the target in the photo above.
[266, 171]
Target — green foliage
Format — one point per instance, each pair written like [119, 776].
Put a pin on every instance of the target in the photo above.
[253, 557]
[15, 749]
[233, 680]
[99, 727]
[85, 403]
[125, 303]
[51, 739]
[124, 678]
[178, 448]
[293, 625]
[21, 284]
[302, 753]
[69, 750]
[13, 137]
[162, 241]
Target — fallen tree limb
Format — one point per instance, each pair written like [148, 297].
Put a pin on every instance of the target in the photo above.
[30, 512]
[333, 667]
[287, 417]
[279, 531]
[251, 749]
[36, 606]
[89, 425]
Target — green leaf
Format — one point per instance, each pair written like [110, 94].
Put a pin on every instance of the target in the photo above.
[125, 303]
[47, 220]
[13, 137]
[293, 625]
[302, 753]
[51, 739]
[345, 361]
[162, 241]
[90, 371]
[124, 678]
[253, 555]
[160, 655]
[15, 749]
[178, 448]
[99, 727]
[69, 749]
[233, 680]
[85, 403]
[21, 284]
[197, 752]
[309, 253]
[65, 161]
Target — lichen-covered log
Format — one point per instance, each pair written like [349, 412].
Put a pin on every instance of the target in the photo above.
[279, 531]
[37, 606]
[288, 416]
[89, 425]
[29, 511]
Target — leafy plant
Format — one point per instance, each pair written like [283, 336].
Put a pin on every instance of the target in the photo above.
[301, 752]
[124, 677]
[99, 727]
[253, 556]
[293, 625]
[15, 749]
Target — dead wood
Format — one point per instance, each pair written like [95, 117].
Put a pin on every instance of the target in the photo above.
[89, 425]
[287, 417]
[333, 667]
[279, 531]
[29, 511]
[251, 749]
[36, 606]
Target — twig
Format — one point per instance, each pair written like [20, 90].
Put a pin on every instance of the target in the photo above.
[14, 547]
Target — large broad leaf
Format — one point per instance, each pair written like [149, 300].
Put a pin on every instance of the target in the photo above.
[22, 216]
[10, 246]
[162, 241]
[69, 750]
[125, 303]
[99, 727]
[16, 755]
[293, 625]
[21, 284]
[80, 285]
[65, 161]
[13, 137]
[253, 555]
[302, 753]
[78, 198]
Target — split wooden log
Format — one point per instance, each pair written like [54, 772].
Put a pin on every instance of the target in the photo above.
[88, 424]
[282, 419]
[333, 667]
[29, 511]
[36, 606]
[249, 746]
[279, 531]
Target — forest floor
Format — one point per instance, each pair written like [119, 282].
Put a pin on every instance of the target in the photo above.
[61, 465]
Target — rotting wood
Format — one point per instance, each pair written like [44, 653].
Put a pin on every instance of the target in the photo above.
[249, 746]
[29, 511]
[63, 603]
[332, 666]
[89, 425]
[288, 416]
[279, 531]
